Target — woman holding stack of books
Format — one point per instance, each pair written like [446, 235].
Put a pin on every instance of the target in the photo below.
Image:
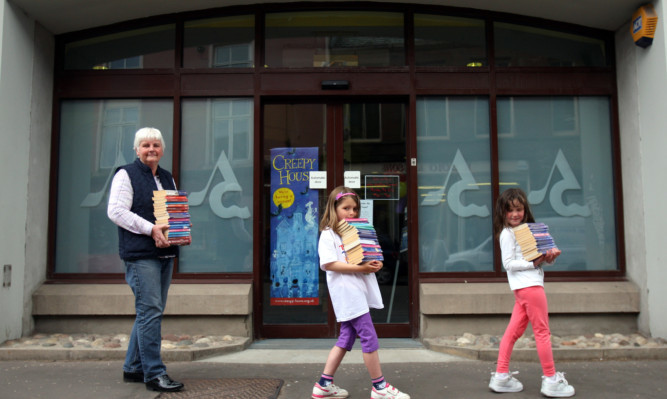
[148, 257]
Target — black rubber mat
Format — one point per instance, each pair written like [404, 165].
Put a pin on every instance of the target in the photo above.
[223, 388]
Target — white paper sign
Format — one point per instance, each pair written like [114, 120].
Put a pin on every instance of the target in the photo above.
[352, 178]
[318, 179]
[366, 211]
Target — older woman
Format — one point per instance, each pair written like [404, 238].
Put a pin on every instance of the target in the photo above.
[148, 257]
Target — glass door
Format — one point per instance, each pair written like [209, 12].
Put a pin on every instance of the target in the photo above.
[361, 145]
[294, 302]
[374, 161]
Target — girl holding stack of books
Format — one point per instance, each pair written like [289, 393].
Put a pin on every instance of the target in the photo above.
[353, 290]
[526, 279]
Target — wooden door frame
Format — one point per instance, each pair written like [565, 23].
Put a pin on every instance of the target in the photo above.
[335, 167]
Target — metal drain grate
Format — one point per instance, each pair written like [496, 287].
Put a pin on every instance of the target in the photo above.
[223, 388]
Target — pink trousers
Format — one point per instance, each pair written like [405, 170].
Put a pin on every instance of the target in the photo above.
[530, 305]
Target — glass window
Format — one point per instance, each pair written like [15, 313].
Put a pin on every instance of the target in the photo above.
[525, 46]
[371, 122]
[558, 150]
[217, 172]
[449, 41]
[227, 42]
[96, 137]
[294, 144]
[454, 184]
[334, 39]
[133, 49]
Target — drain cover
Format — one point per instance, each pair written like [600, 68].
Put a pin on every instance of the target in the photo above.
[237, 388]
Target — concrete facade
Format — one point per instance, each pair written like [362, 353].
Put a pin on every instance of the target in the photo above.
[642, 79]
[205, 309]
[26, 85]
[574, 308]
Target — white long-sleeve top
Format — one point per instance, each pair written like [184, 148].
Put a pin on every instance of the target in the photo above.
[520, 272]
[120, 203]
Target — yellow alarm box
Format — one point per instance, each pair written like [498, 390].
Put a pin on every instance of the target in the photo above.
[644, 22]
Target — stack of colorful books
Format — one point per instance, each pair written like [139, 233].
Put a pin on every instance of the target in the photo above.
[534, 239]
[171, 207]
[360, 241]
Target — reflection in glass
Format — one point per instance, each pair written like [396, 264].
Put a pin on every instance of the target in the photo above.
[449, 41]
[334, 39]
[134, 49]
[216, 171]
[379, 156]
[524, 46]
[560, 153]
[454, 183]
[227, 42]
[96, 137]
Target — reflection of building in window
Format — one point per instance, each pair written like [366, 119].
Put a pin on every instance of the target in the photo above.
[123, 63]
[233, 56]
[433, 114]
[120, 121]
[232, 129]
[374, 122]
[564, 116]
[448, 118]
[506, 122]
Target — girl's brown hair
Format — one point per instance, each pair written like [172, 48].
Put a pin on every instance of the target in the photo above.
[503, 204]
[330, 218]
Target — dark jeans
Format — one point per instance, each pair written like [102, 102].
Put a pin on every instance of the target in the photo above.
[149, 280]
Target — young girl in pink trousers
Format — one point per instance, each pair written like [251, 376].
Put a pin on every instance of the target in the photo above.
[526, 280]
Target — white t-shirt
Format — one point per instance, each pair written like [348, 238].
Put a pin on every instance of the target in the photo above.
[352, 294]
[520, 272]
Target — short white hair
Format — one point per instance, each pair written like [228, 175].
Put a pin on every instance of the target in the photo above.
[147, 133]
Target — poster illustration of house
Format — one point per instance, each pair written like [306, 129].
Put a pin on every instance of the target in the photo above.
[294, 264]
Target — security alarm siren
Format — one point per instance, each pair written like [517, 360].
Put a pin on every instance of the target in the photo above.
[644, 22]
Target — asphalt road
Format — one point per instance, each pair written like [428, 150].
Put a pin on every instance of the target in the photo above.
[457, 378]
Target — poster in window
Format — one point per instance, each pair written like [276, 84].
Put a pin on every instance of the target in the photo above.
[294, 263]
[382, 187]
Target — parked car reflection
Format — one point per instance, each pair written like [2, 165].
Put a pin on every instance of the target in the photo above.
[477, 259]
[569, 235]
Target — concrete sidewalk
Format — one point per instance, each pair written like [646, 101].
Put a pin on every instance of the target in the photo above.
[49, 348]
[421, 372]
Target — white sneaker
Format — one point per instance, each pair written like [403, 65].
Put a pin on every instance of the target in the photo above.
[388, 392]
[558, 389]
[507, 384]
[329, 391]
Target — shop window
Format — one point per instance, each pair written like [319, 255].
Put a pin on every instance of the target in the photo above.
[219, 42]
[119, 124]
[561, 155]
[371, 122]
[525, 46]
[558, 149]
[449, 41]
[325, 39]
[133, 49]
[233, 56]
[454, 184]
[96, 137]
[217, 172]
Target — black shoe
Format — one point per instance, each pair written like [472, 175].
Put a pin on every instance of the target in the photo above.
[163, 384]
[133, 377]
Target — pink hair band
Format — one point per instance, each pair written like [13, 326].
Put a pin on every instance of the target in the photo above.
[340, 195]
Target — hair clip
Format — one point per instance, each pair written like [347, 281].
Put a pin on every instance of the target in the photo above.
[340, 195]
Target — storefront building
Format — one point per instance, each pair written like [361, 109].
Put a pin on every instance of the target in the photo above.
[427, 111]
